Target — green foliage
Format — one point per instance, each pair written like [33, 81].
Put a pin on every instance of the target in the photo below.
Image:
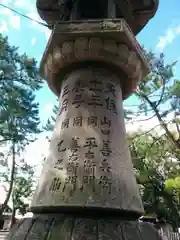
[51, 121]
[172, 186]
[23, 186]
[19, 113]
[155, 164]
[156, 155]
[159, 94]
[22, 183]
[19, 81]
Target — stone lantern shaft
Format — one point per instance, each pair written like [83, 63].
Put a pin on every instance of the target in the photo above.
[89, 165]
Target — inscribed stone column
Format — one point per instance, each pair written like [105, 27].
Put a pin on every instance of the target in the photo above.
[87, 189]
[89, 165]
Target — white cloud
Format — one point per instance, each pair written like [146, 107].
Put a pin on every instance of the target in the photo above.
[165, 40]
[168, 38]
[3, 27]
[6, 2]
[30, 7]
[20, 3]
[47, 33]
[36, 152]
[6, 12]
[33, 41]
[143, 124]
[26, 5]
[15, 21]
[178, 30]
[34, 15]
[47, 109]
[33, 153]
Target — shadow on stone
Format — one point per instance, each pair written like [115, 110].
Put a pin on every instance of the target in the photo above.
[71, 227]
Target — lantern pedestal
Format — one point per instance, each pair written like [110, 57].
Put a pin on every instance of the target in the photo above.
[87, 188]
[81, 227]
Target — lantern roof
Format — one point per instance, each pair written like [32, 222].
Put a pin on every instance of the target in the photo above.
[137, 13]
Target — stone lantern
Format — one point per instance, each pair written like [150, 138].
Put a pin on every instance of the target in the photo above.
[92, 62]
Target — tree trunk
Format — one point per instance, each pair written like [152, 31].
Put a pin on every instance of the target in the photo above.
[13, 219]
[161, 121]
[4, 205]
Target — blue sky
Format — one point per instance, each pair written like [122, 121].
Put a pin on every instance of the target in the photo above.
[161, 34]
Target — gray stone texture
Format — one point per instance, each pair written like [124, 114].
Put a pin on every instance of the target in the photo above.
[89, 163]
[69, 227]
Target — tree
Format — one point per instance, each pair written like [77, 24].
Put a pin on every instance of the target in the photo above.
[156, 153]
[51, 121]
[172, 185]
[23, 188]
[19, 112]
[159, 95]
[154, 168]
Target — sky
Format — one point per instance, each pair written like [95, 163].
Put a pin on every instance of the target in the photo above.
[162, 34]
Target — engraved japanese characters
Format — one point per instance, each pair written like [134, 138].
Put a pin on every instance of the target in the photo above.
[89, 162]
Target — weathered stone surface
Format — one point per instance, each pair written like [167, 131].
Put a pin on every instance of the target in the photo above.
[107, 42]
[88, 173]
[95, 46]
[89, 162]
[67, 51]
[69, 227]
[81, 48]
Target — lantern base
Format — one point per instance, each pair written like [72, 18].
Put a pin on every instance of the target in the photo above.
[81, 227]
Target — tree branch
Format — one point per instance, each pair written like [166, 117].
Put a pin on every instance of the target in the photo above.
[177, 126]
[162, 123]
[5, 140]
